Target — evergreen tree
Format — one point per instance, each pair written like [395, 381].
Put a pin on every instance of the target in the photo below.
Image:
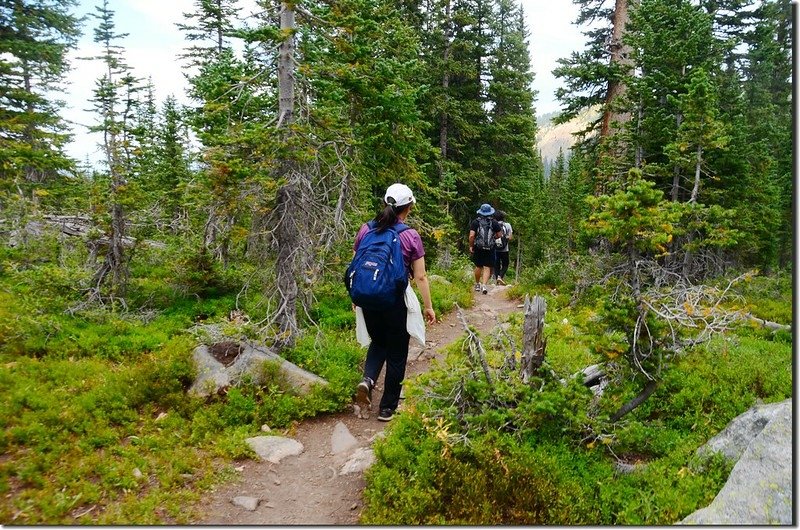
[36, 37]
[115, 104]
[513, 166]
[172, 163]
[768, 104]
[209, 27]
[229, 109]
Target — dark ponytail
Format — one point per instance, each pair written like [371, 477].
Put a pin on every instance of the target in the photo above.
[388, 216]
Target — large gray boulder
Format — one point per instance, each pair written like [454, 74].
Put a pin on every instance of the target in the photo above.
[212, 375]
[759, 488]
[743, 429]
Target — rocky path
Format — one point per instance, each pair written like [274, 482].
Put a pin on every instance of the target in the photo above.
[323, 484]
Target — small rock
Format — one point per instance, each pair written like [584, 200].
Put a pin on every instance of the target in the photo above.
[361, 459]
[341, 439]
[354, 506]
[274, 448]
[265, 428]
[137, 473]
[377, 436]
[276, 482]
[248, 503]
[269, 505]
[239, 468]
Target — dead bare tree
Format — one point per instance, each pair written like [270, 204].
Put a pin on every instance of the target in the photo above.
[533, 340]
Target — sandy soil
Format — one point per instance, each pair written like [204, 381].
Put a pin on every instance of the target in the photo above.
[307, 489]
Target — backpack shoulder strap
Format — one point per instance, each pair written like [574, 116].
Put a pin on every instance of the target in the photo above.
[400, 227]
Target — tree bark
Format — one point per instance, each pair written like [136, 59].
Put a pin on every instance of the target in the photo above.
[286, 66]
[698, 163]
[533, 341]
[290, 236]
[443, 118]
[648, 390]
[620, 55]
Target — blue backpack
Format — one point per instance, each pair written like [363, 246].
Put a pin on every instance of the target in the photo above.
[377, 277]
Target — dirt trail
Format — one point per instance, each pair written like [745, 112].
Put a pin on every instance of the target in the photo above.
[307, 489]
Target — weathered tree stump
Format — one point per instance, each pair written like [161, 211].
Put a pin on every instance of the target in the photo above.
[533, 341]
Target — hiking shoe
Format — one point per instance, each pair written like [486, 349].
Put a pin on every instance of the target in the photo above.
[501, 281]
[385, 415]
[477, 287]
[364, 392]
[484, 289]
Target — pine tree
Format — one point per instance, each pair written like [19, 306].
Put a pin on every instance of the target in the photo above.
[768, 97]
[115, 103]
[210, 26]
[512, 163]
[228, 110]
[36, 37]
[172, 163]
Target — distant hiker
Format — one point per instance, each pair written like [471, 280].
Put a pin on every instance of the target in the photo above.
[501, 251]
[483, 231]
[388, 309]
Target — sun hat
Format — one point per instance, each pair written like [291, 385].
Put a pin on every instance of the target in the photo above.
[485, 210]
[399, 195]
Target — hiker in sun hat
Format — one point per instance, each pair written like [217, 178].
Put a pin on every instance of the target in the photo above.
[483, 231]
[388, 323]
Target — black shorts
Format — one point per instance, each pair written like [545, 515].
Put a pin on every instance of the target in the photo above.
[483, 258]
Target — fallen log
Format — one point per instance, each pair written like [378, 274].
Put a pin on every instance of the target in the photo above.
[774, 326]
[77, 226]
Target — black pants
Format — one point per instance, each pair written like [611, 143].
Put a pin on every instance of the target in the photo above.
[501, 264]
[387, 329]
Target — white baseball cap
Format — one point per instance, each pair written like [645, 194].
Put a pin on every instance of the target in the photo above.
[399, 195]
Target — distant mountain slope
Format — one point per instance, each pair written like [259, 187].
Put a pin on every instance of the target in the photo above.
[550, 137]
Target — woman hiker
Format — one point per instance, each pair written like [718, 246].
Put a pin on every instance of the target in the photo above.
[389, 337]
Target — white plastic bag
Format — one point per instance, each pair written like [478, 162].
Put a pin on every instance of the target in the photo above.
[415, 324]
[362, 335]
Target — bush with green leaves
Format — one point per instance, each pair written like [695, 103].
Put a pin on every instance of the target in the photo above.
[467, 452]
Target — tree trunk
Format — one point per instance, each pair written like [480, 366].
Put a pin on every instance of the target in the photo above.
[443, 119]
[648, 390]
[676, 170]
[286, 66]
[290, 237]
[620, 56]
[698, 163]
[533, 341]
[220, 36]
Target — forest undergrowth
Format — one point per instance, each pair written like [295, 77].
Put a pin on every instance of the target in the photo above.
[98, 428]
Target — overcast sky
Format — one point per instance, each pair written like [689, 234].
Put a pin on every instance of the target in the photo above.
[153, 44]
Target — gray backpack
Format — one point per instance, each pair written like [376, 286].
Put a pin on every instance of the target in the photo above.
[483, 236]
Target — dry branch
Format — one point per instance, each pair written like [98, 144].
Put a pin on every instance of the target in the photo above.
[477, 354]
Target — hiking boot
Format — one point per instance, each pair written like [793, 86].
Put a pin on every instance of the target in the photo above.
[364, 393]
[501, 281]
[477, 287]
[385, 415]
[484, 289]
